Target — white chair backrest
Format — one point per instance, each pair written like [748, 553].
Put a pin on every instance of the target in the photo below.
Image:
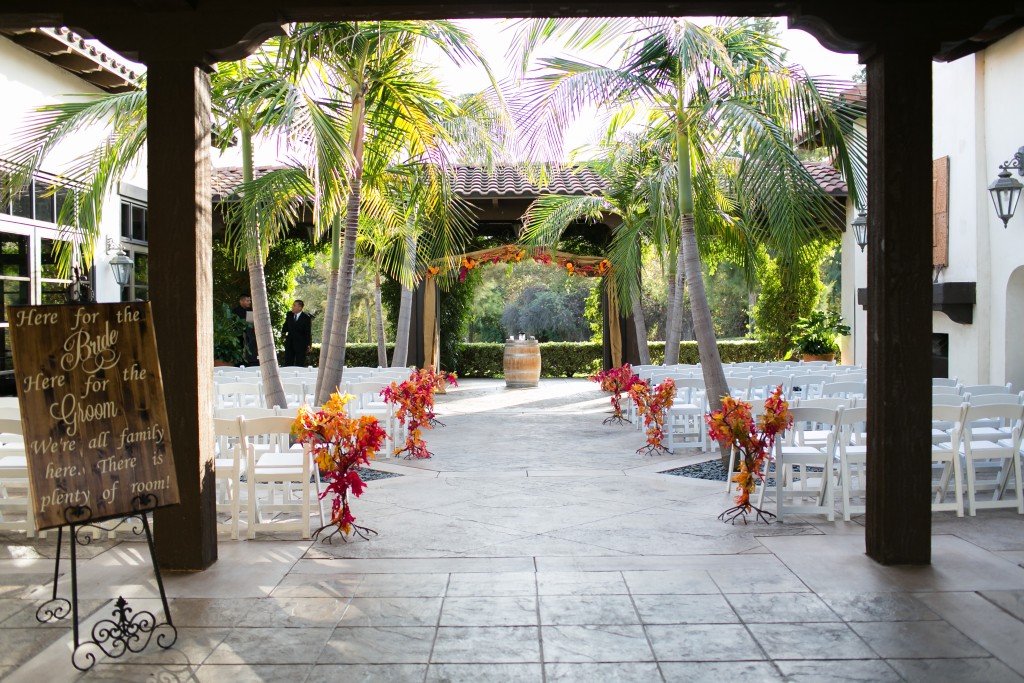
[271, 433]
[983, 389]
[248, 412]
[10, 431]
[761, 386]
[827, 403]
[852, 425]
[1012, 415]
[995, 399]
[944, 381]
[812, 418]
[366, 391]
[229, 436]
[9, 402]
[844, 389]
[947, 399]
[943, 390]
[297, 392]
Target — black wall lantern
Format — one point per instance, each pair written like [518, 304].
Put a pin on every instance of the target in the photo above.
[860, 228]
[120, 264]
[1005, 189]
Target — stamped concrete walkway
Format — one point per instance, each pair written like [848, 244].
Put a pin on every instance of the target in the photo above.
[537, 546]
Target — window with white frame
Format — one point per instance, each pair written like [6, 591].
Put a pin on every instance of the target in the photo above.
[134, 241]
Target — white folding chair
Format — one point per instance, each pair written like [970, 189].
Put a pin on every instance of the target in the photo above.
[685, 419]
[991, 465]
[947, 422]
[853, 459]
[793, 485]
[229, 467]
[282, 470]
[809, 385]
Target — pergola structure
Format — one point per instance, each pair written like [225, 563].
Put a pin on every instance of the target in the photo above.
[178, 40]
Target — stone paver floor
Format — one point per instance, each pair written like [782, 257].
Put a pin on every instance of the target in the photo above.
[537, 546]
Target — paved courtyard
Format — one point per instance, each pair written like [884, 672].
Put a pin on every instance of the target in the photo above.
[537, 546]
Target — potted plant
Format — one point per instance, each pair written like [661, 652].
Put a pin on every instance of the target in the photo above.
[228, 329]
[815, 336]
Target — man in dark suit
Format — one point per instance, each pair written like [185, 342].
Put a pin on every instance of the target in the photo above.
[298, 335]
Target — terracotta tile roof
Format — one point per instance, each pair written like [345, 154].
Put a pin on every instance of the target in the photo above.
[474, 182]
[226, 179]
[86, 59]
[828, 178]
[505, 181]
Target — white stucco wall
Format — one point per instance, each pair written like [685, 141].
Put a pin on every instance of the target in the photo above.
[977, 122]
[28, 81]
[978, 105]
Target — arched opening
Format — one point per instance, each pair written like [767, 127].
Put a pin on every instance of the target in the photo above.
[1015, 329]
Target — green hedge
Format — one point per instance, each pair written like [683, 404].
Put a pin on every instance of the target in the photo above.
[557, 359]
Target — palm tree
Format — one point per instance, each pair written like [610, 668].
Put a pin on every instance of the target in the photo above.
[715, 92]
[373, 71]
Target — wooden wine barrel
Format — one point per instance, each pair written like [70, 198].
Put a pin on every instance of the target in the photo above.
[522, 364]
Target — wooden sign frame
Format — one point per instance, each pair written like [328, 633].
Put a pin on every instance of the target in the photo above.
[92, 410]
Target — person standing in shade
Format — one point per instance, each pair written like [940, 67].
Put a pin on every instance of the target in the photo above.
[244, 311]
[298, 335]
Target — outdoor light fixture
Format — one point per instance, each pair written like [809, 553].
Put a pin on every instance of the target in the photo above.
[120, 264]
[860, 228]
[1005, 190]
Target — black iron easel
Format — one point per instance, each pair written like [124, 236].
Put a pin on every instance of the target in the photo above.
[124, 632]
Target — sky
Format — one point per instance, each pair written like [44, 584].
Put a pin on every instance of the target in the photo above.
[494, 35]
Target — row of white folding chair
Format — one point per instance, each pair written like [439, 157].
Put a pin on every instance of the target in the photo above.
[260, 449]
[16, 508]
[977, 462]
[238, 395]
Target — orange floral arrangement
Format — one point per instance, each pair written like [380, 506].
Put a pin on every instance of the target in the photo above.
[653, 405]
[340, 446]
[733, 426]
[617, 381]
[414, 399]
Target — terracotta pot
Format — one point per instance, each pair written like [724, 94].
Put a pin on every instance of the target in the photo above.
[223, 364]
[810, 357]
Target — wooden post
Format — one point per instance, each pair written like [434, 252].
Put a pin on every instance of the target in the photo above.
[899, 122]
[181, 284]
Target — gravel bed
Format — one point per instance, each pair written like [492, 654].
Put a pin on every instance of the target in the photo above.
[367, 474]
[712, 470]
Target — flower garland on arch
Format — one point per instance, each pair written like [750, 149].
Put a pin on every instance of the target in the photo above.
[586, 266]
[733, 426]
[414, 401]
[340, 445]
[653, 405]
[616, 380]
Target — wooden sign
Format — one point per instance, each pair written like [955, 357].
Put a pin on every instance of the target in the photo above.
[92, 409]
[940, 212]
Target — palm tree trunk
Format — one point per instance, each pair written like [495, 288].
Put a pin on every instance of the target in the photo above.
[266, 349]
[641, 330]
[335, 365]
[704, 330]
[400, 357]
[674, 317]
[369, 321]
[382, 347]
[332, 293]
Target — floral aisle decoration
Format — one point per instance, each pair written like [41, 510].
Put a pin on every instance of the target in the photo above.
[734, 427]
[653, 405]
[414, 401]
[340, 445]
[617, 381]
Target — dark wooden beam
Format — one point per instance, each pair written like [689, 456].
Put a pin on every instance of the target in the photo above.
[900, 296]
[181, 282]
